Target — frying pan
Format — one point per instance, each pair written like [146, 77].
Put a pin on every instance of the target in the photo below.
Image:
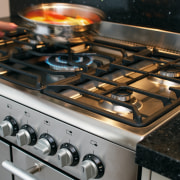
[64, 33]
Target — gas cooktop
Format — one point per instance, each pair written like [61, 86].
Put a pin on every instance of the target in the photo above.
[82, 108]
[123, 84]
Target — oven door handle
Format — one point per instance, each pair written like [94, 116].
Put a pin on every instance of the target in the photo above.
[21, 173]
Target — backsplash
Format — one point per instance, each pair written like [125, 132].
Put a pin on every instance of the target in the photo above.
[161, 14]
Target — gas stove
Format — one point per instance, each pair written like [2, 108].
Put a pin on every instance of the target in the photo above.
[82, 108]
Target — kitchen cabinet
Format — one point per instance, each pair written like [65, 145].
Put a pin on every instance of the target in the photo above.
[159, 151]
[150, 175]
[155, 176]
[4, 155]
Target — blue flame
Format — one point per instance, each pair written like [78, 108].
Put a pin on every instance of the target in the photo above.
[60, 64]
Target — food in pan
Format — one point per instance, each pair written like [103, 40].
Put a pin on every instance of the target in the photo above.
[51, 17]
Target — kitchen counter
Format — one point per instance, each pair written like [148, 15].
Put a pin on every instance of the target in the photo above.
[149, 13]
[160, 150]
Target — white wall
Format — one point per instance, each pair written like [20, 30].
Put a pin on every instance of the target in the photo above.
[4, 8]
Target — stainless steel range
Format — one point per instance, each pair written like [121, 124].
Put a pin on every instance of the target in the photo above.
[78, 111]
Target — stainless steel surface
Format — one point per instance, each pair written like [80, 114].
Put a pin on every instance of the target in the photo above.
[9, 166]
[23, 137]
[142, 35]
[87, 137]
[4, 155]
[122, 96]
[171, 73]
[6, 129]
[88, 170]
[36, 168]
[65, 157]
[42, 147]
[65, 33]
[100, 126]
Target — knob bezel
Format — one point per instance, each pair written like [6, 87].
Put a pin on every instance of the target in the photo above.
[51, 141]
[97, 162]
[15, 127]
[73, 151]
[31, 132]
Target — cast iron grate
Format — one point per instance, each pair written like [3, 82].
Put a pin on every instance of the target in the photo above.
[20, 63]
[27, 68]
[139, 119]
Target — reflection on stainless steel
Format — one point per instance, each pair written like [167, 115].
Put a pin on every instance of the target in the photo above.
[172, 72]
[163, 82]
[3, 71]
[155, 38]
[52, 78]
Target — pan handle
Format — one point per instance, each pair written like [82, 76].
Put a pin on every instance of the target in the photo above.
[26, 26]
[26, 175]
[28, 29]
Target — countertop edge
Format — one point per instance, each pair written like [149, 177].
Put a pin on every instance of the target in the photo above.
[160, 150]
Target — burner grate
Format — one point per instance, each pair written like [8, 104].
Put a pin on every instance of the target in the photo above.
[139, 119]
[107, 74]
[32, 64]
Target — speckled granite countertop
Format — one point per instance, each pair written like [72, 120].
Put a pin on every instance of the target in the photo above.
[159, 14]
[160, 151]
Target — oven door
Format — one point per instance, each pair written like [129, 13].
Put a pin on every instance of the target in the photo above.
[25, 166]
[4, 155]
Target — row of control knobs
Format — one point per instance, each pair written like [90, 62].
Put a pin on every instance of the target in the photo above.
[91, 166]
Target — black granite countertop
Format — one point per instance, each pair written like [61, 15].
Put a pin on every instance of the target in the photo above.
[160, 150]
[161, 14]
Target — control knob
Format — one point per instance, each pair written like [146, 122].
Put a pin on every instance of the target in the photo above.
[46, 145]
[91, 167]
[26, 136]
[67, 155]
[8, 127]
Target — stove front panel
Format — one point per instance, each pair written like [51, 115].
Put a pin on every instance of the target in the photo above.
[26, 162]
[4, 155]
[111, 155]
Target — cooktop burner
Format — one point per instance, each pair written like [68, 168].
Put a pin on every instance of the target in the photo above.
[124, 96]
[173, 72]
[69, 63]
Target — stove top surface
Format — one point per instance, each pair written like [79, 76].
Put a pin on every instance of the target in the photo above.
[118, 84]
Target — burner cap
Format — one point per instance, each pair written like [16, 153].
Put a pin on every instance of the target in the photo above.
[63, 63]
[171, 72]
[122, 95]
[121, 110]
